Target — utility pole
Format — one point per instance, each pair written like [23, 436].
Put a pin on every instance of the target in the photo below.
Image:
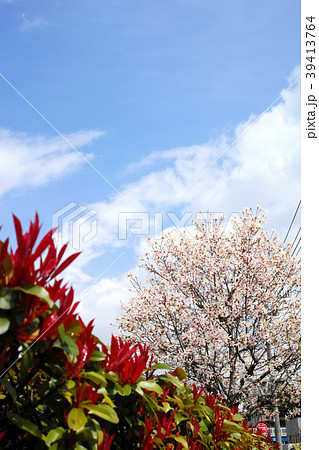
[275, 406]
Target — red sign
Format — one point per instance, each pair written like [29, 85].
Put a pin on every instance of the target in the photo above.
[263, 427]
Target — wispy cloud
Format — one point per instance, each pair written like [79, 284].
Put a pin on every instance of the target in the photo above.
[32, 24]
[51, 156]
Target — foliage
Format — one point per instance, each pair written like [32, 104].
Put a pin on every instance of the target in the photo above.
[60, 387]
[225, 306]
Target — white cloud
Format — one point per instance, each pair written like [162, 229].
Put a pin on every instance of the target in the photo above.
[263, 167]
[102, 303]
[32, 161]
[32, 24]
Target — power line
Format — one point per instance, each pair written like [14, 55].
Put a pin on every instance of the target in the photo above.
[296, 247]
[293, 219]
[296, 237]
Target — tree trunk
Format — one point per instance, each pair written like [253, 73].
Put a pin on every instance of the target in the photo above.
[275, 407]
[277, 427]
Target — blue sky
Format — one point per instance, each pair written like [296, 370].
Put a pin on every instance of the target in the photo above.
[151, 93]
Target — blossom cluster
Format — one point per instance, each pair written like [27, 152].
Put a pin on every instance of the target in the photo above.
[224, 305]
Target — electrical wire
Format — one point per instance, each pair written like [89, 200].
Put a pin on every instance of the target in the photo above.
[292, 245]
[296, 247]
[293, 219]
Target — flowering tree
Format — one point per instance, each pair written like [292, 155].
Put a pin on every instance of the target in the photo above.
[225, 306]
[62, 388]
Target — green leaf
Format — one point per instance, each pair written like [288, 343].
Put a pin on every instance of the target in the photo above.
[38, 291]
[4, 325]
[166, 407]
[54, 370]
[222, 406]
[180, 439]
[112, 377]
[173, 380]
[54, 435]
[231, 427]
[97, 356]
[236, 436]
[181, 374]
[160, 366]
[205, 424]
[222, 445]
[103, 411]
[107, 399]
[177, 400]
[124, 390]
[151, 401]
[69, 346]
[96, 377]
[178, 417]
[98, 429]
[70, 384]
[139, 390]
[151, 385]
[74, 328]
[25, 424]
[61, 330]
[9, 388]
[6, 298]
[76, 419]
[26, 362]
[207, 410]
[238, 417]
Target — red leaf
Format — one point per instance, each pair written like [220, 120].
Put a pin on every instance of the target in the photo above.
[45, 242]
[61, 252]
[34, 230]
[18, 228]
[4, 249]
[65, 264]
